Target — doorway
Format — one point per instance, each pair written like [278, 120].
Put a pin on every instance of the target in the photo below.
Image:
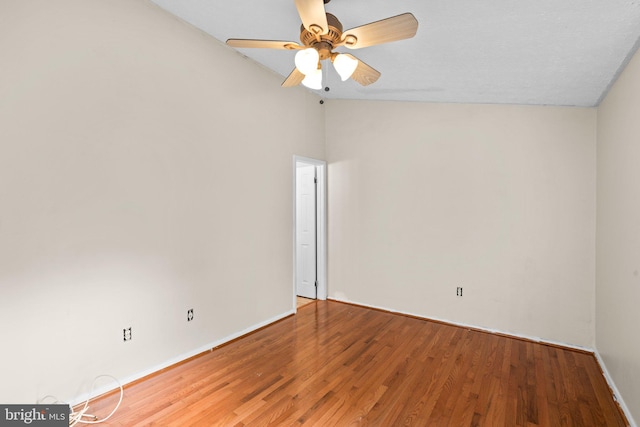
[309, 237]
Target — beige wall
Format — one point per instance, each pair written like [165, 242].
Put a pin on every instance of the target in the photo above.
[145, 169]
[136, 152]
[618, 234]
[497, 199]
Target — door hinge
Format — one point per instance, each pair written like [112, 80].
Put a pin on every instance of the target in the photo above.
[315, 180]
[316, 283]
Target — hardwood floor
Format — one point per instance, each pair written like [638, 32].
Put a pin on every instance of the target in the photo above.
[335, 364]
[301, 301]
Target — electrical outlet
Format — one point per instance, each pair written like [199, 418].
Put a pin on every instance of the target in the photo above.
[459, 291]
[190, 315]
[127, 334]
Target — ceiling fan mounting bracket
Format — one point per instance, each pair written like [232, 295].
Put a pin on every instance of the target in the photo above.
[350, 40]
[315, 29]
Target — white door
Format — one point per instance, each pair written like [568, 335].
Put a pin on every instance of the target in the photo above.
[306, 231]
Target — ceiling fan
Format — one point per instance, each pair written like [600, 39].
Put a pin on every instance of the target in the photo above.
[322, 32]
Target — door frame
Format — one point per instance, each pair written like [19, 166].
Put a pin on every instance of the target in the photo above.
[321, 225]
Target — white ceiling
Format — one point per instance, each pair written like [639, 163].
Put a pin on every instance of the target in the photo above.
[539, 52]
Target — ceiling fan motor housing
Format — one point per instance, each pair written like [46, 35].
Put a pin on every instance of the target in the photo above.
[323, 43]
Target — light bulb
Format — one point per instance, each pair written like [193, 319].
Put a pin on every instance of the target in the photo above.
[313, 80]
[345, 65]
[307, 61]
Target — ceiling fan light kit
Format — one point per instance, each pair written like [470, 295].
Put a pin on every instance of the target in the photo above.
[345, 65]
[322, 32]
[306, 60]
[313, 80]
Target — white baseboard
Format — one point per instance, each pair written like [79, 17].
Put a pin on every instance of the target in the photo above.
[616, 393]
[465, 325]
[208, 347]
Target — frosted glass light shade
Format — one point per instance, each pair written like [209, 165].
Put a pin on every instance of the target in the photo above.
[345, 65]
[307, 61]
[313, 80]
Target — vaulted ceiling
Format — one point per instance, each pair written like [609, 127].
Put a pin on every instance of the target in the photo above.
[533, 52]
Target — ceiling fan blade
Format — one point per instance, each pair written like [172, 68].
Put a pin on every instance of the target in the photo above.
[313, 15]
[294, 79]
[364, 74]
[398, 27]
[266, 44]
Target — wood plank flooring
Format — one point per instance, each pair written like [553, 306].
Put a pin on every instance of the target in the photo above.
[335, 364]
[302, 301]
